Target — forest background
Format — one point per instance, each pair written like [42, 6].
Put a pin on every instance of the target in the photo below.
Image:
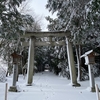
[81, 17]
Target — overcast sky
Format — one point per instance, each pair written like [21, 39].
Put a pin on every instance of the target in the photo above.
[39, 8]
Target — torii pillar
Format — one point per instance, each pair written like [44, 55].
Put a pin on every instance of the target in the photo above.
[71, 64]
[30, 61]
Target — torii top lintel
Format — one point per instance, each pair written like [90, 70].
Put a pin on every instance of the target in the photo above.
[47, 34]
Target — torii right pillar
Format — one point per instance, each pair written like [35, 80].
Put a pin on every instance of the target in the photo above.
[71, 64]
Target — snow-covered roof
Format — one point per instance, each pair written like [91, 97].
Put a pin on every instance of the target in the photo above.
[87, 53]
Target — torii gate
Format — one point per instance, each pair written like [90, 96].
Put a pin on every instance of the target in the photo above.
[32, 43]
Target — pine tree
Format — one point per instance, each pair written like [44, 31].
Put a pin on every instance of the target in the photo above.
[72, 15]
[12, 25]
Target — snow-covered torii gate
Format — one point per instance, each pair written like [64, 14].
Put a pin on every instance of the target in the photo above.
[32, 43]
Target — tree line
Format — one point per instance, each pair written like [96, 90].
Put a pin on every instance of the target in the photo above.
[81, 18]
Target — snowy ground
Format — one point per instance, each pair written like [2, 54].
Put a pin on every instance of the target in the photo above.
[47, 86]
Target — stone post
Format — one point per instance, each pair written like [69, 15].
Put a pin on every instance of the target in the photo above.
[14, 74]
[71, 64]
[30, 61]
[91, 78]
[13, 88]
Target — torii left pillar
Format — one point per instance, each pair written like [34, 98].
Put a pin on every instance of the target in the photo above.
[30, 61]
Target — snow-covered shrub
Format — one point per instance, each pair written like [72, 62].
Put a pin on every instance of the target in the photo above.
[64, 69]
[96, 69]
[84, 74]
[2, 74]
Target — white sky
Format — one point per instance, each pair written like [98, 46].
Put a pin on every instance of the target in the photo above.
[39, 8]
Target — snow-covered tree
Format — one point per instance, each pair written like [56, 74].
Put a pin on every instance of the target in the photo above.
[12, 25]
[93, 21]
[75, 15]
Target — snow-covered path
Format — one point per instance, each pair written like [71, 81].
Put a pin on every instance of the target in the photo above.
[47, 86]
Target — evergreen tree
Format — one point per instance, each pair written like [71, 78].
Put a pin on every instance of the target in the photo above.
[93, 22]
[12, 25]
[72, 15]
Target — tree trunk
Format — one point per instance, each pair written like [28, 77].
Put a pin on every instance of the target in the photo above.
[9, 69]
[78, 54]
